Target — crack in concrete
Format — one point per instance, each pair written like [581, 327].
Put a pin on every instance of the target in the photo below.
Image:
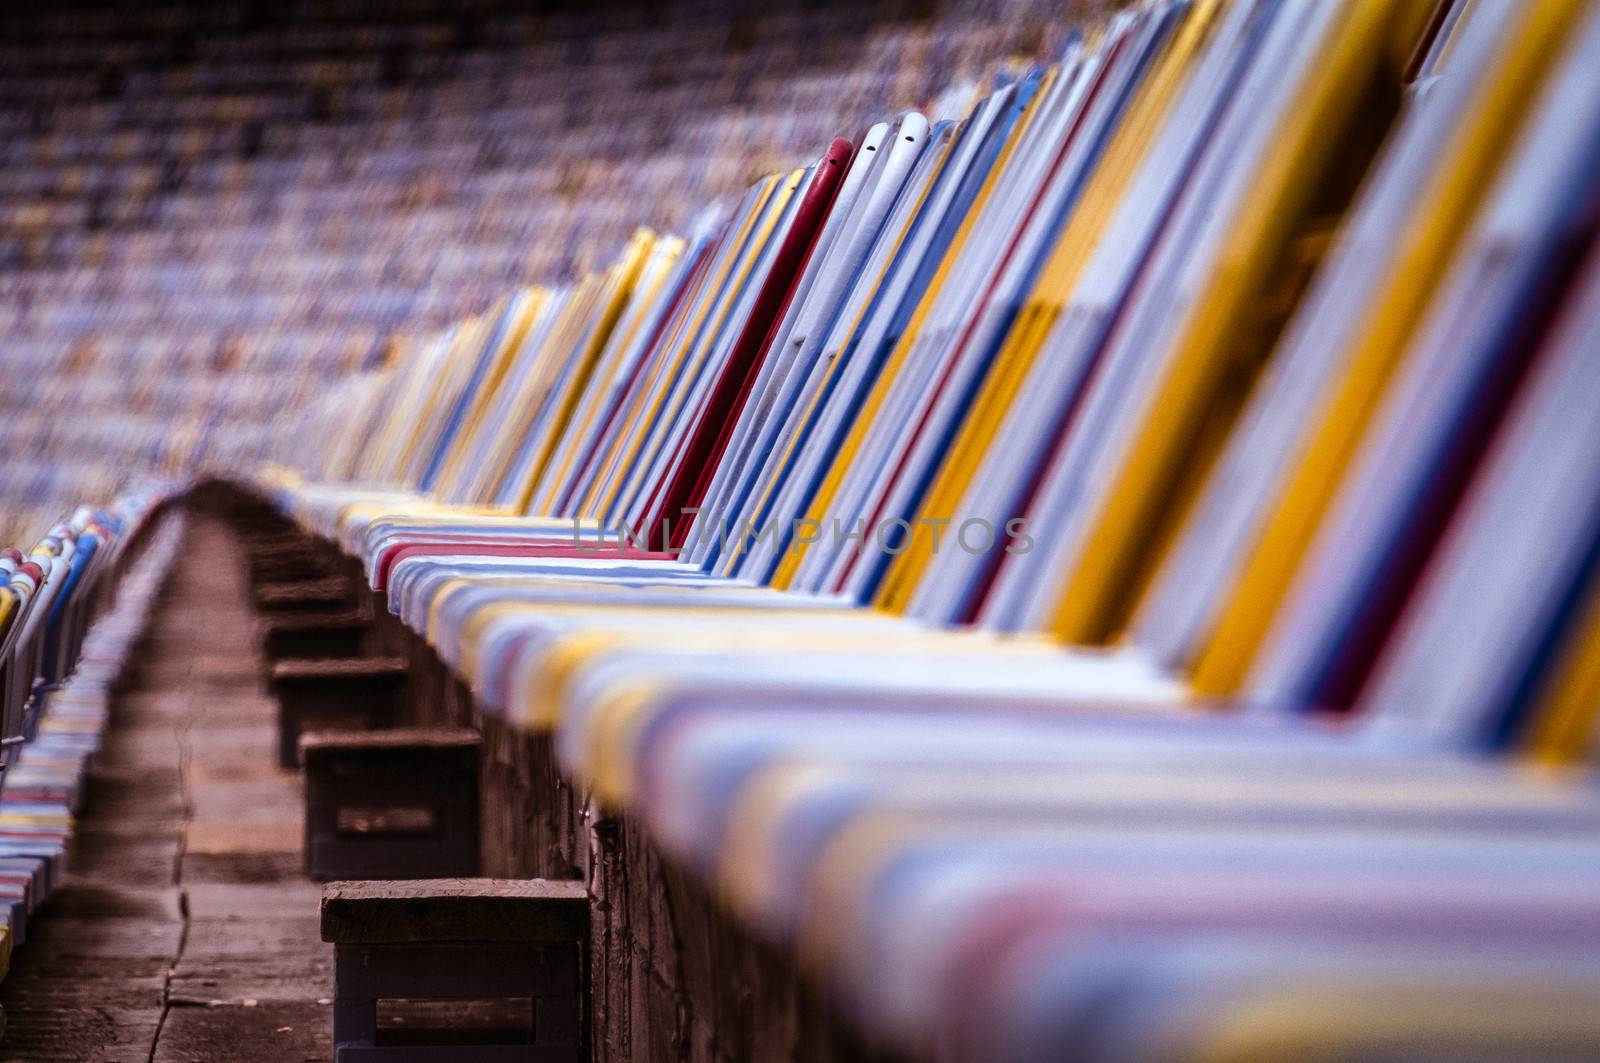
[186, 795]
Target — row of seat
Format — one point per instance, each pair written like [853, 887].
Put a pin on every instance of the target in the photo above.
[71, 612]
[1111, 576]
[225, 189]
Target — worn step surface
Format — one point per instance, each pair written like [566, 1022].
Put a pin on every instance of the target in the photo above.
[185, 930]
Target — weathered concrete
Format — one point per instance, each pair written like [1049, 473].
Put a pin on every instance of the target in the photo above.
[185, 930]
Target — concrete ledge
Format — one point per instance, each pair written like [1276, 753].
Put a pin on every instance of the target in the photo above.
[454, 910]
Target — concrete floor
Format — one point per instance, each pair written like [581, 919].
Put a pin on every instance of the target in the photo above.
[185, 930]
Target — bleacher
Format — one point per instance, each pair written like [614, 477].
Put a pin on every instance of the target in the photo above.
[1107, 572]
[214, 210]
[71, 611]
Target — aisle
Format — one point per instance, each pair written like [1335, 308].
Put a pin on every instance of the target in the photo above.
[186, 931]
